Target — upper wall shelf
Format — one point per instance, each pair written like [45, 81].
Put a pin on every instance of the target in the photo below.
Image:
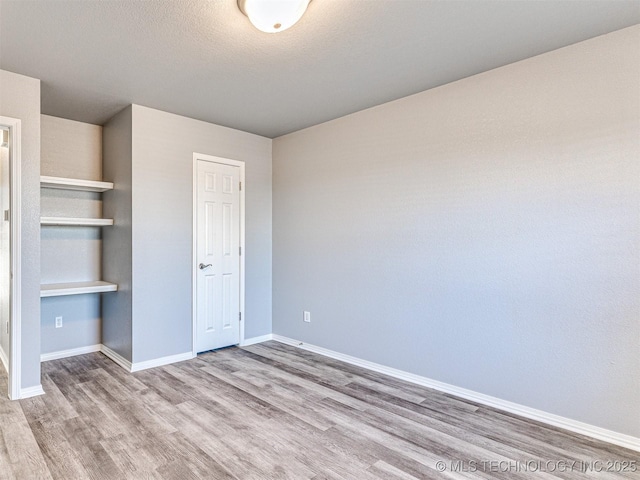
[75, 184]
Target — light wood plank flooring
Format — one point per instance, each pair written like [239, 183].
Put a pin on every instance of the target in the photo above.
[271, 411]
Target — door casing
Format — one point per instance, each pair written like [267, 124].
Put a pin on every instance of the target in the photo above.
[15, 316]
[194, 260]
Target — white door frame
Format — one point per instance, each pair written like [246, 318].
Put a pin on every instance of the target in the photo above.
[194, 262]
[15, 322]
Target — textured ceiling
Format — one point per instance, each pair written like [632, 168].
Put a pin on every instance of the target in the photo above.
[203, 59]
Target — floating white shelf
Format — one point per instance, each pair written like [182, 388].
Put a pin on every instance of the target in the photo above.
[76, 288]
[75, 184]
[68, 221]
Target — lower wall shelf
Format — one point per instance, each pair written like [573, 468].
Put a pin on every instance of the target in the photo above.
[76, 288]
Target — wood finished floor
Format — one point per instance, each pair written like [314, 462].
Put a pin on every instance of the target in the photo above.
[269, 411]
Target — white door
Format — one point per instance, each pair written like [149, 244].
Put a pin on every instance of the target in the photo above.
[217, 256]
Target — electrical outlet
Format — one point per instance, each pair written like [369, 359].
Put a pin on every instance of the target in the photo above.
[58, 322]
[306, 316]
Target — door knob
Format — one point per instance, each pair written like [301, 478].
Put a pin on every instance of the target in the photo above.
[202, 266]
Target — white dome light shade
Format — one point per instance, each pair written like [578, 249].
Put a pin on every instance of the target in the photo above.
[272, 16]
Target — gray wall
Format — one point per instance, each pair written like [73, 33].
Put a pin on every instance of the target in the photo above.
[20, 98]
[70, 254]
[163, 147]
[117, 240]
[484, 233]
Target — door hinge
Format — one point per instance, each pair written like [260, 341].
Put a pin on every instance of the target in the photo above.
[240, 250]
[239, 316]
[240, 186]
[6, 215]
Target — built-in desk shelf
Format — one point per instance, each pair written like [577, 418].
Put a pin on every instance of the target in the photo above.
[76, 288]
[75, 184]
[77, 222]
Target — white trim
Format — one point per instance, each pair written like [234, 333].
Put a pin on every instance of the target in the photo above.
[593, 431]
[45, 357]
[31, 392]
[234, 163]
[15, 333]
[4, 359]
[116, 357]
[194, 253]
[159, 362]
[253, 340]
[138, 366]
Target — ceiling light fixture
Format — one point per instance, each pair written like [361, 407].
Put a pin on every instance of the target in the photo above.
[272, 16]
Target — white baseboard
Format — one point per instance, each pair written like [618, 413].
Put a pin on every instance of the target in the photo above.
[582, 428]
[253, 340]
[116, 357]
[159, 362]
[4, 359]
[45, 357]
[31, 392]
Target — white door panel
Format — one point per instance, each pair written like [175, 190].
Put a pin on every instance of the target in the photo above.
[217, 256]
